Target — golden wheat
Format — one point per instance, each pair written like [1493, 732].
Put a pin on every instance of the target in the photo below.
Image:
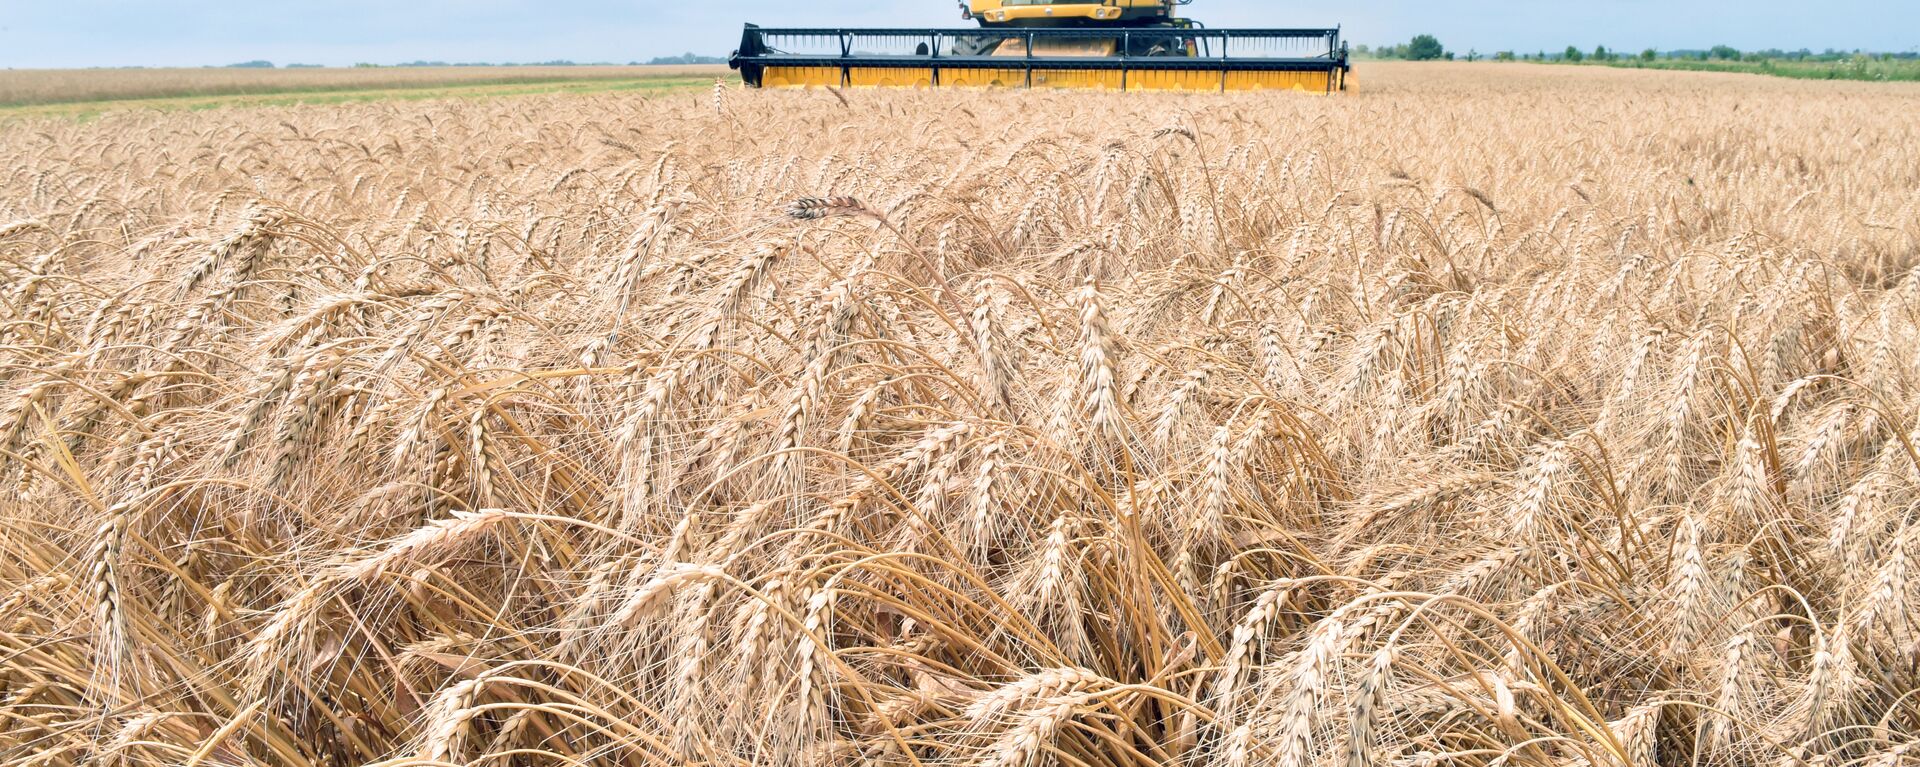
[1494, 415]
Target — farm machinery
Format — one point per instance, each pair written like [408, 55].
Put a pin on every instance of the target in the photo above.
[1078, 44]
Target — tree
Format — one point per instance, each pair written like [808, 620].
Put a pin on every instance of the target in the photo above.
[1573, 54]
[1473, 54]
[1425, 48]
[1600, 53]
[1503, 55]
[1725, 52]
[1649, 54]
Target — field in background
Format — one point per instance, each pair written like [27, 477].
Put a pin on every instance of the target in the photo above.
[1490, 417]
[65, 91]
[1862, 68]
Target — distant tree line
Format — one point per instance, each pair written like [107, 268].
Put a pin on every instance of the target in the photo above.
[685, 58]
[1804, 63]
[553, 63]
[1428, 48]
[1726, 53]
[1420, 48]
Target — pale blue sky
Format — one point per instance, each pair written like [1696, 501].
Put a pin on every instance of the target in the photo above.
[71, 33]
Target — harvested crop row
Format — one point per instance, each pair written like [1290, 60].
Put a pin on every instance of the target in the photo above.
[1553, 418]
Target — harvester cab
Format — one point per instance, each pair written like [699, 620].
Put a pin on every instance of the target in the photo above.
[1050, 13]
[1086, 44]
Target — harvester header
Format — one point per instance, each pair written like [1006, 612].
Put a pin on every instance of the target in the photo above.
[1110, 45]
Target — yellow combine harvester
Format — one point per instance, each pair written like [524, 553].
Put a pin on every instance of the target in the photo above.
[1090, 44]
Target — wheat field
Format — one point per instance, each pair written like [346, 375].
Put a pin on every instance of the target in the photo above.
[23, 87]
[1495, 415]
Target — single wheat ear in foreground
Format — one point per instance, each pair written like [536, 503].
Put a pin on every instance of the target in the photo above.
[576, 430]
[811, 208]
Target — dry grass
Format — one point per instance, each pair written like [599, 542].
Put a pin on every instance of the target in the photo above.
[58, 86]
[1494, 416]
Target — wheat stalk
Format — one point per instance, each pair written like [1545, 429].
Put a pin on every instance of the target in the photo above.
[352, 432]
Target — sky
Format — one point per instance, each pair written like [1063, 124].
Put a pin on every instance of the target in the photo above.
[85, 33]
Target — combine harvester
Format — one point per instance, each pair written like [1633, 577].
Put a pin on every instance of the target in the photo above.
[1087, 44]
